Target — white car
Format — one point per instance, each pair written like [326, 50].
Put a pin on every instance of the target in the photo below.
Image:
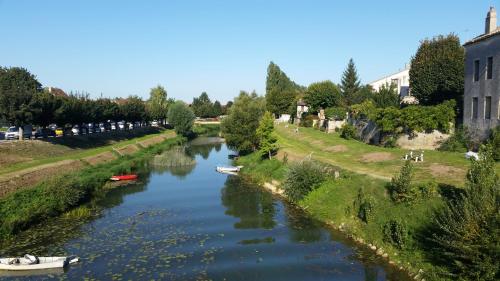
[113, 126]
[12, 133]
[154, 123]
[121, 125]
[75, 130]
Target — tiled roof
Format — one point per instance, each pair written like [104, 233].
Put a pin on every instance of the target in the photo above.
[483, 37]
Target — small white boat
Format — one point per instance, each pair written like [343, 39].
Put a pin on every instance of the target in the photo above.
[228, 169]
[29, 262]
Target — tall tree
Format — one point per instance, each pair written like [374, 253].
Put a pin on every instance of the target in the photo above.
[217, 109]
[437, 70]
[17, 87]
[350, 83]
[134, 109]
[157, 104]
[281, 92]
[323, 95]
[181, 117]
[202, 106]
[267, 138]
[239, 127]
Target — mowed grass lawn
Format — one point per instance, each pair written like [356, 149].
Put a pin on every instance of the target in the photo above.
[379, 162]
[29, 154]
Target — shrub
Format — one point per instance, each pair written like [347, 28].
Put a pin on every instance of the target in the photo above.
[307, 120]
[458, 142]
[495, 143]
[467, 231]
[302, 178]
[181, 117]
[364, 206]
[400, 186]
[336, 113]
[427, 189]
[348, 132]
[395, 232]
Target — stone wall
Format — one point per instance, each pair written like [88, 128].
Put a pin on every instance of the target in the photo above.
[430, 141]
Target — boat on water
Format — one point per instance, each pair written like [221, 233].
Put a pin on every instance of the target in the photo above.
[124, 177]
[30, 262]
[228, 169]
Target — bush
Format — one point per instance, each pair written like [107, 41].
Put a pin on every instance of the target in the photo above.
[400, 187]
[181, 117]
[336, 113]
[467, 229]
[302, 178]
[495, 143]
[458, 142]
[427, 189]
[348, 132]
[395, 232]
[364, 206]
[307, 120]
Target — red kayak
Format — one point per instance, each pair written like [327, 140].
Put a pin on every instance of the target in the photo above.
[124, 177]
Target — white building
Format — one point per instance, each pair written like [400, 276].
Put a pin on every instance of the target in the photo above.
[401, 79]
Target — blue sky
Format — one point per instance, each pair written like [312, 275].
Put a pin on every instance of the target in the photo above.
[119, 48]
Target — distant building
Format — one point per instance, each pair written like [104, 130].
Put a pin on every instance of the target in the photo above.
[401, 79]
[56, 92]
[302, 108]
[482, 79]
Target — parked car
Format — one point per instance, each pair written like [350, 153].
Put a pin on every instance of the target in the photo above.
[75, 130]
[130, 126]
[113, 126]
[121, 125]
[59, 132]
[155, 123]
[12, 133]
[102, 127]
[44, 133]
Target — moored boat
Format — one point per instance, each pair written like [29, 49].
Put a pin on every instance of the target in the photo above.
[124, 177]
[228, 169]
[29, 262]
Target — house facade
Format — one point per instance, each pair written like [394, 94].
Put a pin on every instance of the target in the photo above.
[401, 79]
[482, 79]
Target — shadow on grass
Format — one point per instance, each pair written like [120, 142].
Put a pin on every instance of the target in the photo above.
[100, 139]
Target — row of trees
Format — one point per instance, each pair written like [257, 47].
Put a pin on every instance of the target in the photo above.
[203, 107]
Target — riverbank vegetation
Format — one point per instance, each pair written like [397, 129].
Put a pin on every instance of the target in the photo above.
[50, 198]
[418, 225]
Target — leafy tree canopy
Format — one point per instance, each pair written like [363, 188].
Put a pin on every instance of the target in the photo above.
[437, 70]
[239, 127]
[17, 87]
[281, 92]
[157, 104]
[181, 117]
[321, 95]
[267, 138]
[386, 96]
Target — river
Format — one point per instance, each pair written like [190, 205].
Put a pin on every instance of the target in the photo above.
[192, 223]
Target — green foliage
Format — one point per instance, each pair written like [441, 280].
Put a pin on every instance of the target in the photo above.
[364, 111]
[206, 130]
[396, 233]
[387, 96]
[21, 209]
[350, 83]
[427, 189]
[364, 206]
[495, 143]
[467, 236]
[302, 178]
[388, 120]
[267, 138]
[240, 126]
[348, 132]
[44, 107]
[336, 113]
[157, 104]
[181, 117]
[17, 88]
[437, 70]
[308, 120]
[132, 110]
[321, 95]
[363, 94]
[458, 142]
[281, 92]
[204, 108]
[400, 187]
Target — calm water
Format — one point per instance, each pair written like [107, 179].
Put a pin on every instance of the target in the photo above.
[192, 223]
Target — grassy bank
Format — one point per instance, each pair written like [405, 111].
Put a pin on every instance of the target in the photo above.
[335, 202]
[379, 162]
[16, 156]
[50, 198]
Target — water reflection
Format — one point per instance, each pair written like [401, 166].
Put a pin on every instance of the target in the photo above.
[180, 172]
[302, 228]
[254, 208]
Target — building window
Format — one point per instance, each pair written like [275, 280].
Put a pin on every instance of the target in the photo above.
[487, 108]
[474, 108]
[476, 70]
[489, 68]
